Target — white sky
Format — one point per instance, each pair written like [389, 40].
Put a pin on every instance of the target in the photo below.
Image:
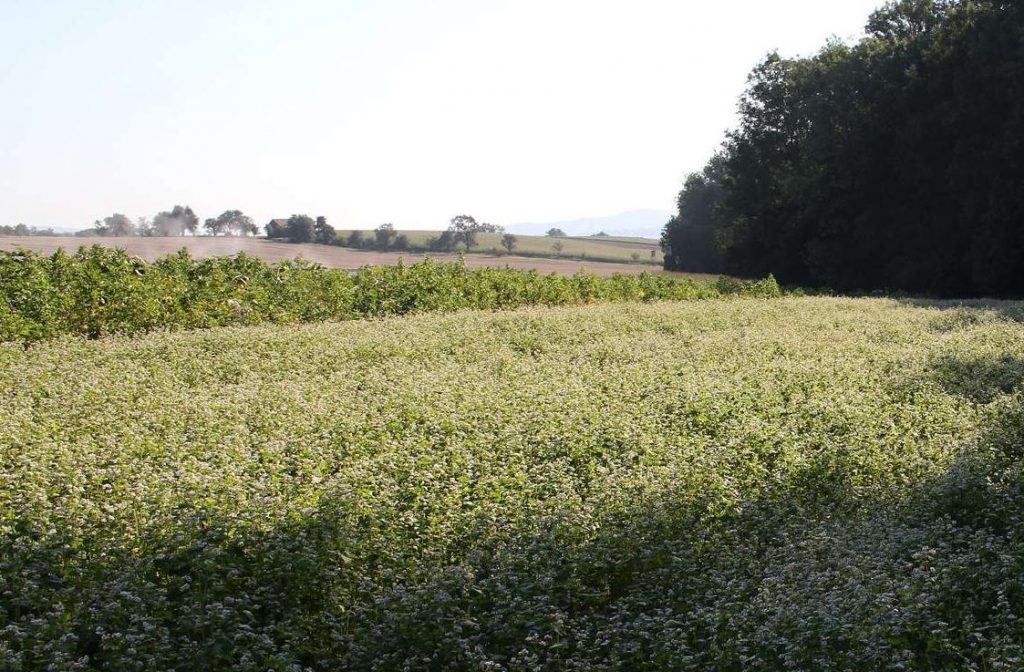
[398, 110]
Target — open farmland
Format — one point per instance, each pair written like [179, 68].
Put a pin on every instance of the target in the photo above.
[600, 248]
[332, 256]
[795, 483]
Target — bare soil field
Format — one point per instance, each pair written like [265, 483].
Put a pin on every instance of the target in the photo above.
[338, 257]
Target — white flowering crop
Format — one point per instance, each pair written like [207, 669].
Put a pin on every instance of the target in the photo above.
[793, 484]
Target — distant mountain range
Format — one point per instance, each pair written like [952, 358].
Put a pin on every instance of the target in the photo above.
[633, 223]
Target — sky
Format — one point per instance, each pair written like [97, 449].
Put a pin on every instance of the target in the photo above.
[402, 111]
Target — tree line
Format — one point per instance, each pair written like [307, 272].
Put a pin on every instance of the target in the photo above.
[178, 221]
[25, 230]
[461, 233]
[889, 164]
[305, 229]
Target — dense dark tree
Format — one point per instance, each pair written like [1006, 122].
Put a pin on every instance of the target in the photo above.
[688, 240]
[383, 235]
[509, 242]
[555, 232]
[444, 242]
[893, 163]
[323, 232]
[355, 239]
[300, 229]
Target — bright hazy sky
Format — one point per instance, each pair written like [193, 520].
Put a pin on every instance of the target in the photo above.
[408, 111]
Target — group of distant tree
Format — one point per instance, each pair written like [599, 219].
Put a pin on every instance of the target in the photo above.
[891, 164]
[384, 237]
[23, 230]
[231, 223]
[462, 231]
[462, 234]
[178, 221]
[305, 229]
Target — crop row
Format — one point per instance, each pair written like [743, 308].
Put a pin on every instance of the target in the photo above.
[99, 291]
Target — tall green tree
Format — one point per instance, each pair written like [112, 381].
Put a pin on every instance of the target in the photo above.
[892, 163]
[689, 239]
[300, 229]
[383, 235]
[355, 239]
[464, 229]
[323, 232]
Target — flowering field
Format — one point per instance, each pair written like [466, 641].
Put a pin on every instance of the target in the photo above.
[745, 484]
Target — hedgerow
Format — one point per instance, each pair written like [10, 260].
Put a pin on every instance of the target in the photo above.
[99, 291]
[805, 483]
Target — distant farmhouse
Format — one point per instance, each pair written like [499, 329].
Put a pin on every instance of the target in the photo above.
[275, 228]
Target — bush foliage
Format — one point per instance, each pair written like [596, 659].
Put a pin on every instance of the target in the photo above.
[99, 291]
[799, 484]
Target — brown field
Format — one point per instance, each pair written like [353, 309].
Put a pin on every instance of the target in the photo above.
[339, 257]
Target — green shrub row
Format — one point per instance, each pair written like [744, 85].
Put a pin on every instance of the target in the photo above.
[98, 291]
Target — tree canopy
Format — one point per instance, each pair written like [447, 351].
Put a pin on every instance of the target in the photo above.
[464, 229]
[300, 229]
[383, 235]
[231, 222]
[893, 163]
[323, 232]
